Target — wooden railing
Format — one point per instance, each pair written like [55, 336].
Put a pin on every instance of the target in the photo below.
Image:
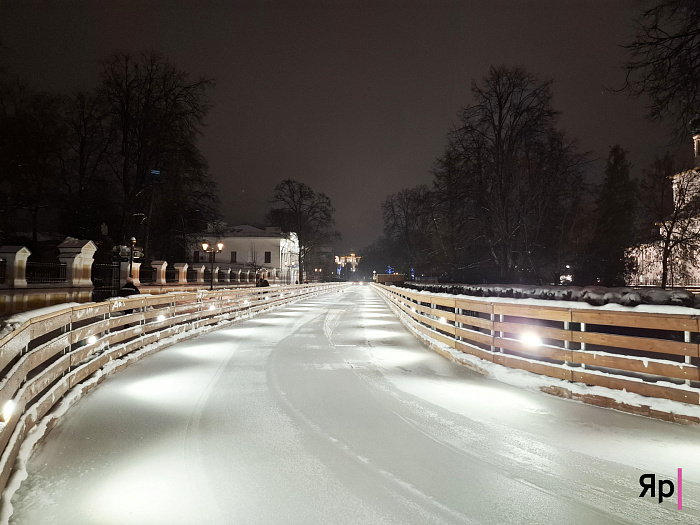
[48, 355]
[651, 354]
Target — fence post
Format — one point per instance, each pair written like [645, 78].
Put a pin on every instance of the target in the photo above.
[16, 266]
[78, 256]
[181, 269]
[124, 272]
[200, 274]
[159, 268]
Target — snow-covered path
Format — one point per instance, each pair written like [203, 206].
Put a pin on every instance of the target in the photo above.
[329, 412]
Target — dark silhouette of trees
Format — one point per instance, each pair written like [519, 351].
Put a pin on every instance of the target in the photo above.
[665, 61]
[121, 160]
[32, 132]
[408, 217]
[515, 175]
[298, 208]
[614, 230]
[156, 113]
[88, 203]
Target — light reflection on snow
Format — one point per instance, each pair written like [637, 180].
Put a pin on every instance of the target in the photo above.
[398, 357]
[154, 488]
[376, 333]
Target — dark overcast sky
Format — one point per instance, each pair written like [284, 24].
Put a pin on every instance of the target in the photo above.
[353, 98]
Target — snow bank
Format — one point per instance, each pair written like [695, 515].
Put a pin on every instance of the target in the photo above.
[648, 300]
[594, 295]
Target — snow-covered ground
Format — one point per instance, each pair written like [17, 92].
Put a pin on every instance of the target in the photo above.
[330, 411]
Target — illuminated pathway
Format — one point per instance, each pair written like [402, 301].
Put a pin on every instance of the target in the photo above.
[329, 412]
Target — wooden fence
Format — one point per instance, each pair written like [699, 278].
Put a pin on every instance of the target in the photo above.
[48, 355]
[655, 355]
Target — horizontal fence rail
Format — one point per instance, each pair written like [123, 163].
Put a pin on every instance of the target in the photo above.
[650, 354]
[50, 354]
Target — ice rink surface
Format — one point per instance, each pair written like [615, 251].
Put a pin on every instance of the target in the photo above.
[329, 411]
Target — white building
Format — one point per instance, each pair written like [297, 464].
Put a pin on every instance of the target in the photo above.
[251, 252]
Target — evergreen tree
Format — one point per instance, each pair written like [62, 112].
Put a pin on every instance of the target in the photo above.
[615, 223]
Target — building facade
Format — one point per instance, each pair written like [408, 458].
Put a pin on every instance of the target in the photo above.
[251, 252]
[683, 262]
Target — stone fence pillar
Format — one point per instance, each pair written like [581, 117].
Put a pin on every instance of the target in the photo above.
[124, 272]
[181, 269]
[159, 268]
[200, 273]
[78, 257]
[15, 265]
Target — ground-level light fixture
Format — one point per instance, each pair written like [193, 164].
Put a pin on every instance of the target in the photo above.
[7, 410]
[530, 339]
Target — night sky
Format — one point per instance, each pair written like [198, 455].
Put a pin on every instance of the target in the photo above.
[353, 98]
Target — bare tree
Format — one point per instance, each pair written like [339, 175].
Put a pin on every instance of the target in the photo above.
[665, 61]
[672, 201]
[297, 208]
[157, 113]
[83, 166]
[517, 171]
[408, 219]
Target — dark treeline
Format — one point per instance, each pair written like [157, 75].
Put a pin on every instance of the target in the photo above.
[115, 162]
[509, 202]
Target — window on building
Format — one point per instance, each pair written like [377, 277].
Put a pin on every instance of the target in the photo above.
[268, 257]
[195, 258]
[233, 257]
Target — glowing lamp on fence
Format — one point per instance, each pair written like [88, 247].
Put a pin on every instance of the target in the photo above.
[7, 410]
[91, 340]
[531, 339]
[161, 317]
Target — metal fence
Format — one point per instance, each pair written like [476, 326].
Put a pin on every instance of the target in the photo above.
[105, 279]
[191, 275]
[3, 269]
[147, 274]
[38, 272]
[171, 274]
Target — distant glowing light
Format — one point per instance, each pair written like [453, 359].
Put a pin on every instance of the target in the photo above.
[7, 410]
[92, 339]
[531, 339]
[211, 307]
[161, 317]
[246, 302]
[443, 320]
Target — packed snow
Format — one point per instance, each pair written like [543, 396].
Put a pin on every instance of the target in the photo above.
[330, 411]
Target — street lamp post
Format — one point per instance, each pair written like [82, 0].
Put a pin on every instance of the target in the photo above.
[211, 251]
[131, 256]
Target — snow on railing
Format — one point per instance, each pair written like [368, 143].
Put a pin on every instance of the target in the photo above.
[650, 350]
[44, 354]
